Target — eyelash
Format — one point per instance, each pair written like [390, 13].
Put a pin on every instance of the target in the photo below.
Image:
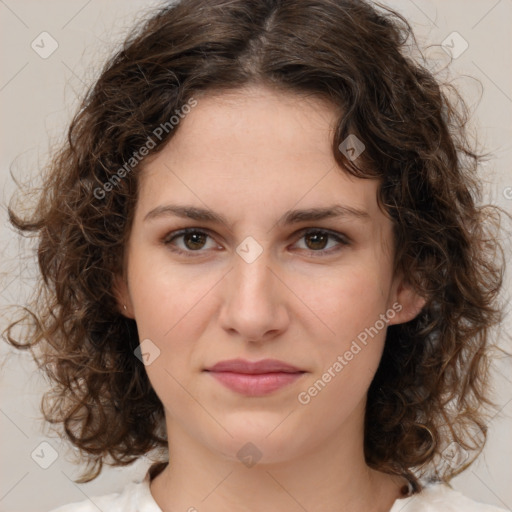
[342, 240]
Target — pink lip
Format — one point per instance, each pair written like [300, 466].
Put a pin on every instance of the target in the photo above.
[255, 378]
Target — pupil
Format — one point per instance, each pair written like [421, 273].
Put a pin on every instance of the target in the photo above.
[318, 236]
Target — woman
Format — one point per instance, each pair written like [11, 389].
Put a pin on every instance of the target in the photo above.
[261, 251]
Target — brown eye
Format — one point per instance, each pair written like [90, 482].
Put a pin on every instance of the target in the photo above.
[192, 240]
[318, 239]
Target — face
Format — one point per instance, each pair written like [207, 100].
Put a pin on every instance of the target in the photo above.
[315, 292]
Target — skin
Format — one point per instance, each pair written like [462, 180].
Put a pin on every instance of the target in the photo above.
[251, 155]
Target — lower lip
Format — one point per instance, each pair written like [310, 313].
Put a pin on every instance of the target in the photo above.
[255, 384]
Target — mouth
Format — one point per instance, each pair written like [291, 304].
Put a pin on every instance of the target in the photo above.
[255, 378]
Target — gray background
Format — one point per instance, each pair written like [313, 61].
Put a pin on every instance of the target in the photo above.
[37, 98]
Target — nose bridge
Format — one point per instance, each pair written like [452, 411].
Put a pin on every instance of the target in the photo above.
[252, 304]
[253, 280]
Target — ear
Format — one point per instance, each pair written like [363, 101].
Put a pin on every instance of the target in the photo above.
[406, 303]
[122, 295]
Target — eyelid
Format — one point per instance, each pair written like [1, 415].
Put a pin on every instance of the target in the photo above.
[181, 232]
[335, 234]
[341, 238]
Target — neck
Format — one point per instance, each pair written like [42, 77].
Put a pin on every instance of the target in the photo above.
[333, 476]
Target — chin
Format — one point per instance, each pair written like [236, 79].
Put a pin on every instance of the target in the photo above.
[260, 437]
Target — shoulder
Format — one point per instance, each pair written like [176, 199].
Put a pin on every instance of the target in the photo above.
[441, 498]
[135, 497]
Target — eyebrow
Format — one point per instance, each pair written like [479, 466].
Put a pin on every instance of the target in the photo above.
[289, 217]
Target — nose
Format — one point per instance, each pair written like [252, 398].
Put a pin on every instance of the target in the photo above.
[254, 301]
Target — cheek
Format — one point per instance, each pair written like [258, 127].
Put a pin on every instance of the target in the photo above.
[349, 356]
[348, 302]
[169, 312]
[349, 352]
[170, 308]
[162, 295]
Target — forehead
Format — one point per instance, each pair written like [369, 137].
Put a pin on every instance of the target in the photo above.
[257, 120]
[254, 149]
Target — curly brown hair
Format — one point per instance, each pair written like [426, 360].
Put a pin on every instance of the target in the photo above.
[433, 378]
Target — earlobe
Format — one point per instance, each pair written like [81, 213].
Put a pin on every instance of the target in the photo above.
[122, 295]
[410, 302]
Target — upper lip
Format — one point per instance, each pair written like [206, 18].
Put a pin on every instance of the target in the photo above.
[253, 367]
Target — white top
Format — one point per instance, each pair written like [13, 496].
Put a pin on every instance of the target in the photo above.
[137, 497]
